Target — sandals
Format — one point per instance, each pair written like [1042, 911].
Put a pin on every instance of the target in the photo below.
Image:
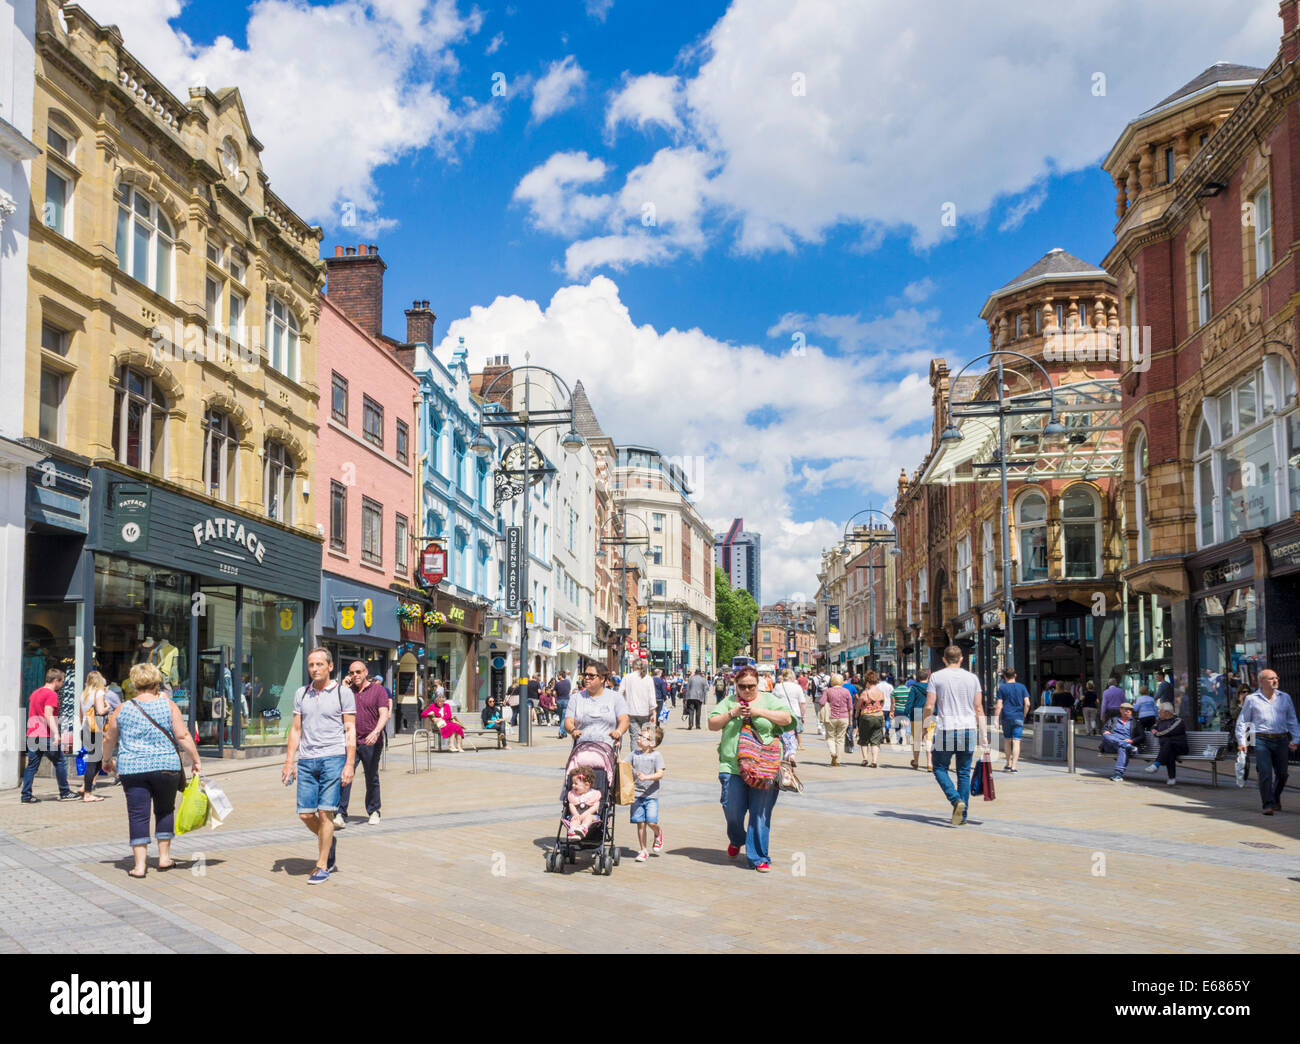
[169, 866]
[91, 799]
[138, 877]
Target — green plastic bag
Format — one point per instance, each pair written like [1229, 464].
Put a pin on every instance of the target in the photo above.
[193, 810]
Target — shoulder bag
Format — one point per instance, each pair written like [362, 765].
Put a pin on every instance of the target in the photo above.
[760, 763]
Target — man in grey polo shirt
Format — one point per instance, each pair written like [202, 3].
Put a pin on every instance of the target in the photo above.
[324, 739]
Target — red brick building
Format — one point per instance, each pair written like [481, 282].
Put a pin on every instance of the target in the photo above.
[1205, 262]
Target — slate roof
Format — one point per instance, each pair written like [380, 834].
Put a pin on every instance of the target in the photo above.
[1219, 72]
[584, 417]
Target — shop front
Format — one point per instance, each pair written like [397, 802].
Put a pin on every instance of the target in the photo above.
[1228, 644]
[217, 599]
[1063, 640]
[1282, 595]
[359, 622]
[453, 647]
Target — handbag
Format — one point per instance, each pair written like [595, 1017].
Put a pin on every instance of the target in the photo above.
[625, 785]
[760, 763]
[788, 779]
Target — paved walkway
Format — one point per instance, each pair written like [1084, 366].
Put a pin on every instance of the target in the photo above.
[864, 859]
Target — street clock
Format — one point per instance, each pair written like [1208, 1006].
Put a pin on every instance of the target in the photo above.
[513, 463]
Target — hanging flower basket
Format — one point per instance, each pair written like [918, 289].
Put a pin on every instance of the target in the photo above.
[433, 618]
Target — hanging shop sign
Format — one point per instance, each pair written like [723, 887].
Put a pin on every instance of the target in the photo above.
[130, 506]
[433, 564]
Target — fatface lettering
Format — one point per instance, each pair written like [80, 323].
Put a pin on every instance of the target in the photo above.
[229, 529]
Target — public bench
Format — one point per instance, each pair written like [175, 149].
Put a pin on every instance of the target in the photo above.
[1201, 746]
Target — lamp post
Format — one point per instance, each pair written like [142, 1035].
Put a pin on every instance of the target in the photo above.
[1002, 408]
[873, 540]
[521, 422]
[623, 542]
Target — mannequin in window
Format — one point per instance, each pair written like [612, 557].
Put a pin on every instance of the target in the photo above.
[164, 657]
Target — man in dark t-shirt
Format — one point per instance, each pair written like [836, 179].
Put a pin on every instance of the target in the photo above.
[562, 689]
[1010, 710]
[373, 708]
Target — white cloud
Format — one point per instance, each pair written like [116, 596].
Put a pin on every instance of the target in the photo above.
[495, 43]
[661, 388]
[906, 338]
[1022, 208]
[381, 70]
[919, 290]
[815, 117]
[551, 192]
[598, 9]
[645, 100]
[558, 88]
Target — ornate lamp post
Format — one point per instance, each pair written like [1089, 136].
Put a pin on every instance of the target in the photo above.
[521, 422]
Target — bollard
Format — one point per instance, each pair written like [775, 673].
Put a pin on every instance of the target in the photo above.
[1069, 748]
[415, 737]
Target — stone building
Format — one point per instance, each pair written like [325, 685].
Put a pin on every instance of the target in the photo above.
[1054, 328]
[171, 376]
[1205, 262]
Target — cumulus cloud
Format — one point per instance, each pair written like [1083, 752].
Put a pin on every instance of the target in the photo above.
[815, 118]
[494, 44]
[661, 388]
[598, 9]
[382, 70]
[645, 100]
[558, 88]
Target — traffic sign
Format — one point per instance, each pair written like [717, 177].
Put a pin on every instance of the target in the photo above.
[433, 564]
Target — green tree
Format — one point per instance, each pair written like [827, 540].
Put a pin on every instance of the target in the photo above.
[736, 613]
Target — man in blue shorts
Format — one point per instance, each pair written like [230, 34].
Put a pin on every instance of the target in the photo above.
[324, 740]
[1010, 710]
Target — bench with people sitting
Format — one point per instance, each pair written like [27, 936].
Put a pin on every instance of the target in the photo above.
[1166, 743]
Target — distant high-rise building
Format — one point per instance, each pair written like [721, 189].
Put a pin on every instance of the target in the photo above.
[739, 554]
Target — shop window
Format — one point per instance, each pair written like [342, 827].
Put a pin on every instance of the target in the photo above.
[1247, 473]
[1081, 532]
[338, 516]
[372, 531]
[281, 338]
[220, 456]
[145, 241]
[372, 421]
[1031, 522]
[274, 665]
[1140, 495]
[278, 476]
[142, 614]
[53, 386]
[140, 423]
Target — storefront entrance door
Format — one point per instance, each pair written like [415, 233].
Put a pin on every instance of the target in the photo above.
[214, 706]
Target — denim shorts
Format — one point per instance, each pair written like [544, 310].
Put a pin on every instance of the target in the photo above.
[319, 781]
[1013, 729]
[645, 810]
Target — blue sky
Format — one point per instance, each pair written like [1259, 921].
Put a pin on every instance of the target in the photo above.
[795, 156]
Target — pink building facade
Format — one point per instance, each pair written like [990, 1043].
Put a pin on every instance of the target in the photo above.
[364, 494]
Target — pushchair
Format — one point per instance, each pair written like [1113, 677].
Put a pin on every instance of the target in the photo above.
[602, 759]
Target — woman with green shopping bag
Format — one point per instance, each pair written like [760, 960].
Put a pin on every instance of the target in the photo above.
[151, 734]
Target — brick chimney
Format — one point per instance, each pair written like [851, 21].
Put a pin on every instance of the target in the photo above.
[355, 283]
[1290, 16]
[419, 323]
[492, 369]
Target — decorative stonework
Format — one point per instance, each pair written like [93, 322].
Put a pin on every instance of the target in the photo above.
[8, 206]
[1232, 327]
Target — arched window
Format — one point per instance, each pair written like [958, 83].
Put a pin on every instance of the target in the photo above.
[278, 474]
[1248, 454]
[1081, 532]
[1140, 489]
[220, 456]
[1031, 522]
[145, 240]
[140, 423]
[281, 338]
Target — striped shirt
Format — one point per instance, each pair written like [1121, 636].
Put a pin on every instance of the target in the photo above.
[141, 747]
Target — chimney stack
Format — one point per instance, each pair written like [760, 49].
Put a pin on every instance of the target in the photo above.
[504, 390]
[355, 283]
[419, 323]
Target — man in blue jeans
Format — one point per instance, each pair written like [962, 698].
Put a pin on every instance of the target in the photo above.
[324, 740]
[955, 699]
[1268, 717]
[562, 689]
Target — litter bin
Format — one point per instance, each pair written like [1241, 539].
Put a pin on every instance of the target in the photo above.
[1050, 724]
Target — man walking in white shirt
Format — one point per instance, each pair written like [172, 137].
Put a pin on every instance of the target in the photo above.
[638, 692]
[1268, 719]
[955, 699]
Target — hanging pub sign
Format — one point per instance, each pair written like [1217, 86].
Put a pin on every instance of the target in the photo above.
[514, 557]
[433, 564]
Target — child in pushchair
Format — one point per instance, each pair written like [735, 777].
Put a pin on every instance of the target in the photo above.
[587, 816]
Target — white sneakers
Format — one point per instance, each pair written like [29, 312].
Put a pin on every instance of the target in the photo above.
[642, 856]
[374, 817]
[1170, 782]
[339, 822]
[1153, 767]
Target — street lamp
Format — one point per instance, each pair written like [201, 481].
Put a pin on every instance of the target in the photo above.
[623, 542]
[872, 541]
[521, 422]
[1002, 408]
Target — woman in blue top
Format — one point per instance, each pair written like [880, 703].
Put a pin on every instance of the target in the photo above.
[149, 729]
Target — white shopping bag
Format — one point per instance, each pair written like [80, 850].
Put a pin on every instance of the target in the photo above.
[218, 803]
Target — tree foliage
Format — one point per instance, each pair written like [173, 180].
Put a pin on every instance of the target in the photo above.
[736, 612]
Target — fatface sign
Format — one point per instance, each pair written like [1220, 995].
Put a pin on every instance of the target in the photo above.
[231, 531]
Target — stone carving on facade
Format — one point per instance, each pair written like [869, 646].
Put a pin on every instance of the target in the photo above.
[8, 206]
[1231, 328]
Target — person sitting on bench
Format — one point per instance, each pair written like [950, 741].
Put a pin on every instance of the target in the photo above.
[1122, 736]
[1171, 734]
[493, 717]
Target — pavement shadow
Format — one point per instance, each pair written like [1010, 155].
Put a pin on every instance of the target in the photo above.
[179, 864]
[294, 867]
[705, 855]
[917, 818]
